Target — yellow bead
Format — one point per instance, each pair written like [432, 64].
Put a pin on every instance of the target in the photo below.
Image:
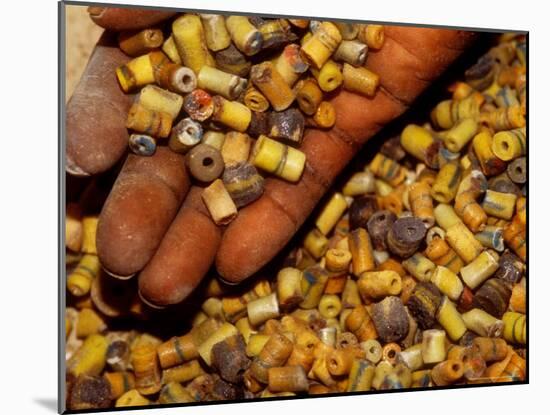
[231, 113]
[515, 327]
[387, 169]
[245, 36]
[90, 358]
[420, 143]
[498, 204]
[135, 74]
[463, 241]
[451, 320]
[509, 145]
[445, 216]
[360, 80]
[319, 47]
[157, 99]
[285, 162]
[379, 284]
[446, 183]
[170, 49]
[419, 267]
[490, 163]
[79, 281]
[331, 213]
[132, 398]
[448, 282]
[188, 34]
[329, 77]
[314, 281]
[460, 134]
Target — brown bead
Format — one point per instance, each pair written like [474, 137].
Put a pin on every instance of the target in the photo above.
[118, 355]
[243, 182]
[222, 390]
[89, 392]
[232, 61]
[493, 296]
[424, 303]
[503, 184]
[378, 225]
[517, 170]
[230, 359]
[481, 74]
[205, 163]
[392, 148]
[405, 236]
[509, 268]
[390, 319]
[360, 211]
[202, 386]
[259, 124]
[288, 126]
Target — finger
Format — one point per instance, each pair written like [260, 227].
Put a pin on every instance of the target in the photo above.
[143, 202]
[96, 114]
[184, 256]
[410, 59]
[119, 18]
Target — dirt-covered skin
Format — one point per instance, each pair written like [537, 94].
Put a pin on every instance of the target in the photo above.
[143, 202]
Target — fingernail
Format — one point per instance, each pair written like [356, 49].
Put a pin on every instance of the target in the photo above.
[96, 11]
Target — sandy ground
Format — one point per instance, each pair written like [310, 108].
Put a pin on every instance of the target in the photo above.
[81, 36]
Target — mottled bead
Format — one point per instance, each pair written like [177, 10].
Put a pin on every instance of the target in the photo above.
[361, 210]
[423, 304]
[243, 182]
[229, 358]
[378, 225]
[509, 268]
[517, 170]
[493, 296]
[405, 236]
[390, 319]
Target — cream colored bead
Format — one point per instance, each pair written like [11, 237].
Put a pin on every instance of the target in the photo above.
[219, 203]
[222, 83]
[480, 269]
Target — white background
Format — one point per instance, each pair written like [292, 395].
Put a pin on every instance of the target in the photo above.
[28, 233]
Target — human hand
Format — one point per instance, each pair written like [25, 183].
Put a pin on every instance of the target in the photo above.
[142, 227]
